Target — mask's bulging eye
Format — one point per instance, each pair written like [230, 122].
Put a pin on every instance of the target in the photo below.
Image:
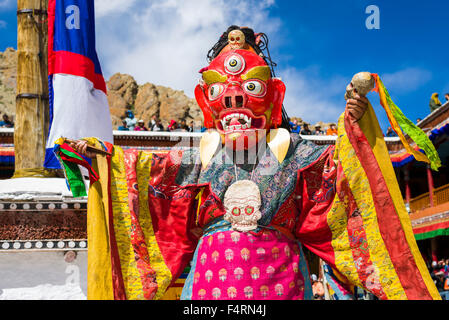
[255, 88]
[234, 64]
[215, 91]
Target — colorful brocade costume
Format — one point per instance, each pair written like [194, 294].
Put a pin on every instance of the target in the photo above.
[150, 214]
[142, 235]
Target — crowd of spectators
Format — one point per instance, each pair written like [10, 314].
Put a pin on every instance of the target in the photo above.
[304, 128]
[317, 130]
[130, 123]
[439, 271]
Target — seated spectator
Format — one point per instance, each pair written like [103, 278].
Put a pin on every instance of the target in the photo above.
[198, 127]
[157, 126]
[446, 96]
[130, 119]
[390, 133]
[6, 123]
[418, 120]
[172, 126]
[306, 130]
[124, 126]
[318, 131]
[191, 127]
[294, 126]
[183, 126]
[434, 266]
[332, 130]
[434, 102]
[152, 122]
[140, 126]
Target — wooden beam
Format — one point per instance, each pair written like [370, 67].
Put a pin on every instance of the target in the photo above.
[407, 184]
[431, 187]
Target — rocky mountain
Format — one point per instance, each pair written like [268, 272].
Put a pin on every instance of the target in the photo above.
[8, 76]
[124, 93]
[148, 99]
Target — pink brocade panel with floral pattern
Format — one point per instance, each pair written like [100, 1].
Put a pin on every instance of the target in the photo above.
[239, 265]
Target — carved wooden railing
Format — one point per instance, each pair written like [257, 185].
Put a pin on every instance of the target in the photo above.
[440, 195]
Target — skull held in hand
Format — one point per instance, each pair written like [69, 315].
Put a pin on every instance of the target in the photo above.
[362, 83]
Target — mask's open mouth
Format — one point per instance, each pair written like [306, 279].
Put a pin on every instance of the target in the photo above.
[239, 120]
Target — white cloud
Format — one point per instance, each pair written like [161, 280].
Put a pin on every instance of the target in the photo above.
[6, 4]
[111, 7]
[312, 97]
[166, 42]
[406, 80]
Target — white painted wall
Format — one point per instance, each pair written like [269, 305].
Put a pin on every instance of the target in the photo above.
[40, 275]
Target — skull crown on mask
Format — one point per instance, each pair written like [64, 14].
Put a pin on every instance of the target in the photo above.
[236, 39]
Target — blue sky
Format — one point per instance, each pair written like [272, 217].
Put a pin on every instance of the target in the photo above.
[318, 46]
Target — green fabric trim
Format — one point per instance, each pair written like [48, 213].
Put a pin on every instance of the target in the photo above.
[70, 154]
[432, 234]
[74, 178]
[75, 156]
[413, 131]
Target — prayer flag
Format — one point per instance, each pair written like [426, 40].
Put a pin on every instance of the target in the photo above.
[78, 102]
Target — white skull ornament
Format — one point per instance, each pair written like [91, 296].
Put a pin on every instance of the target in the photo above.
[236, 39]
[242, 203]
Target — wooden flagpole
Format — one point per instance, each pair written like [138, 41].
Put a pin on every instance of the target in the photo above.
[32, 111]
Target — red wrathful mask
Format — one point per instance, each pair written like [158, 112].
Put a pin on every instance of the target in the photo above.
[238, 97]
